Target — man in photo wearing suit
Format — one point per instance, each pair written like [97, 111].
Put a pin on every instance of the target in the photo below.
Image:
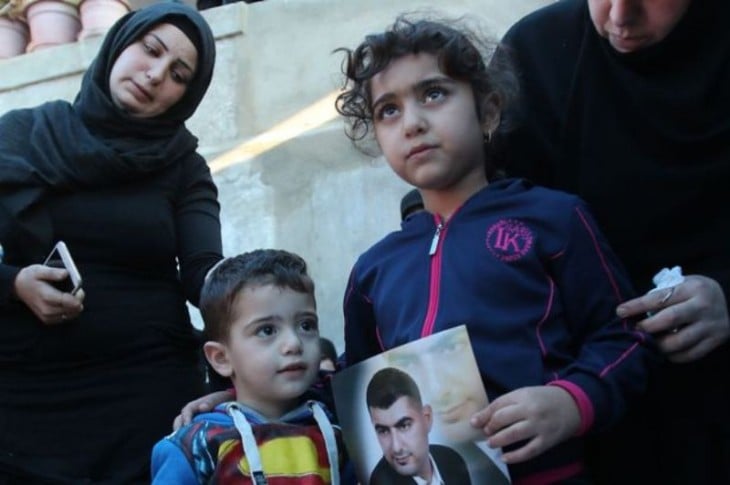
[402, 423]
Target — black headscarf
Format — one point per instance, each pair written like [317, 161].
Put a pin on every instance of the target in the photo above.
[642, 136]
[61, 147]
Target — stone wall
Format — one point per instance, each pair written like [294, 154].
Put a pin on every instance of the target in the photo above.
[287, 176]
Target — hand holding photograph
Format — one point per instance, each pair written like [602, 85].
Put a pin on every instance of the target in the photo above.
[405, 414]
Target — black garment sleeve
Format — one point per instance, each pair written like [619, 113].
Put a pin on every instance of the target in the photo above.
[543, 47]
[198, 226]
[7, 279]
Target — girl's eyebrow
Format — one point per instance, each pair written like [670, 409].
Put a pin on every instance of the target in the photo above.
[418, 87]
[167, 49]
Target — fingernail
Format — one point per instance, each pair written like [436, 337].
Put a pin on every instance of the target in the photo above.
[621, 311]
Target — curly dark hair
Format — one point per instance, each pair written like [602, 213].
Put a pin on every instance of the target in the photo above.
[461, 54]
[260, 267]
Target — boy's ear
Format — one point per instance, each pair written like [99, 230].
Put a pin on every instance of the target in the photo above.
[217, 355]
[491, 114]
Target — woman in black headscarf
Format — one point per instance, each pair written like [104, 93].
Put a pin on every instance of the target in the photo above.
[89, 382]
[626, 103]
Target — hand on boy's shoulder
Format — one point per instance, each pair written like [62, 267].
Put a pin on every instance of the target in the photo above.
[201, 405]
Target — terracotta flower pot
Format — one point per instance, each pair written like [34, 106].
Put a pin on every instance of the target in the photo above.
[97, 16]
[13, 37]
[52, 22]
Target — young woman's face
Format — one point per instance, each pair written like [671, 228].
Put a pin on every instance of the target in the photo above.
[153, 73]
[630, 25]
[427, 126]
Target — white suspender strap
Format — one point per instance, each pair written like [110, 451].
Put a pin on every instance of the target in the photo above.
[330, 441]
[250, 448]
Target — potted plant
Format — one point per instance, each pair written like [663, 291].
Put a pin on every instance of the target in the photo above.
[51, 22]
[97, 16]
[14, 33]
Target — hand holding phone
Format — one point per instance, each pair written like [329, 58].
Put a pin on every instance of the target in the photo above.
[60, 257]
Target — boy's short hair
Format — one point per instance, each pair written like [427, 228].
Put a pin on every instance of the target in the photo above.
[388, 385]
[327, 349]
[227, 279]
[410, 203]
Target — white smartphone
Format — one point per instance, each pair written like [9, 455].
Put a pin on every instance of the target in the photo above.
[60, 257]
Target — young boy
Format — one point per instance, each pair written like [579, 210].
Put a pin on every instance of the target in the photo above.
[261, 325]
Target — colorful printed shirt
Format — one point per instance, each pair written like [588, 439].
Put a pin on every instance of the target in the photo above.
[235, 444]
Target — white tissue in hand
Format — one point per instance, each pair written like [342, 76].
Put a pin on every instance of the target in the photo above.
[666, 278]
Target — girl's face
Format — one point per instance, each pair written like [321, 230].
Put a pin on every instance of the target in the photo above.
[427, 126]
[630, 25]
[153, 73]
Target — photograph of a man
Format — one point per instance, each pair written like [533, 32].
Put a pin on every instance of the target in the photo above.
[402, 424]
[441, 366]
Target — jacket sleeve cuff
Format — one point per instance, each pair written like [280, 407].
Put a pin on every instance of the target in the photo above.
[585, 407]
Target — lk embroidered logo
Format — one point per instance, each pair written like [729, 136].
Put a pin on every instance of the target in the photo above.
[509, 240]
